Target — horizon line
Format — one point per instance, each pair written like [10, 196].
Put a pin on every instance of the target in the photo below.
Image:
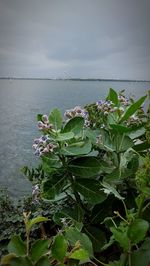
[77, 79]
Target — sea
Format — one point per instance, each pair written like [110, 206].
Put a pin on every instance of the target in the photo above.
[20, 102]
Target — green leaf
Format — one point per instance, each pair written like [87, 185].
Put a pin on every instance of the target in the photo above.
[85, 166]
[39, 248]
[6, 260]
[133, 108]
[108, 189]
[113, 96]
[50, 161]
[119, 128]
[73, 235]
[38, 219]
[134, 134]
[21, 261]
[44, 261]
[122, 143]
[53, 187]
[17, 246]
[120, 235]
[59, 248]
[97, 237]
[137, 230]
[64, 136]
[80, 254]
[55, 118]
[142, 255]
[90, 189]
[39, 117]
[75, 125]
[142, 146]
[77, 148]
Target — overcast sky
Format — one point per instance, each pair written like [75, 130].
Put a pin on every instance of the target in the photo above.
[75, 38]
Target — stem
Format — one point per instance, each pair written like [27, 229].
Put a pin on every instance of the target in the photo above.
[129, 253]
[146, 207]
[27, 235]
[102, 263]
[140, 205]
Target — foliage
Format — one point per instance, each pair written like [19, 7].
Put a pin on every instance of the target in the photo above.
[97, 159]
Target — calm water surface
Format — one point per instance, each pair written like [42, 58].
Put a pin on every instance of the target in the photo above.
[21, 100]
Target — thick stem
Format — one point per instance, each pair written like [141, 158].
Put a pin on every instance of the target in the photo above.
[27, 235]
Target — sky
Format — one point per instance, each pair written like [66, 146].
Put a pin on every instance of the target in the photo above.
[75, 39]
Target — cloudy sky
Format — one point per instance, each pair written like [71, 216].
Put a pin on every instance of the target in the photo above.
[75, 38]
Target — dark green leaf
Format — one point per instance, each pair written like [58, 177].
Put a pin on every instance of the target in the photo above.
[142, 146]
[110, 189]
[55, 118]
[97, 237]
[90, 189]
[52, 188]
[59, 248]
[39, 117]
[119, 128]
[85, 166]
[133, 108]
[113, 96]
[44, 261]
[39, 248]
[73, 235]
[17, 246]
[75, 125]
[21, 261]
[49, 162]
[137, 230]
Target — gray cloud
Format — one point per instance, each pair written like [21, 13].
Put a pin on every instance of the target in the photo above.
[82, 38]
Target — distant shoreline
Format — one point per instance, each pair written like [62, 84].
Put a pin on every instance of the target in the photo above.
[74, 79]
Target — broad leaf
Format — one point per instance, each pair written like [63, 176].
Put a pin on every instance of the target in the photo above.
[80, 254]
[77, 148]
[108, 189]
[119, 128]
[90, 189]
[134, 134]
[142, 255]
[44, 261]
[64, 136]
[75, 125]
[17, 246]
[142, 146]
[55, 118]
[21, 261]
[97, 237]
[39, 248]
[38, 219]
[137, 230]
[120, 235]
[59, 248]
[6, 260]
[133, 108]
[73, 235]
[52, 188]
[50, 161]
[85, 167]
[113, 97]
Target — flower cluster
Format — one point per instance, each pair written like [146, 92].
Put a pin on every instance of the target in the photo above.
[44, 124]
[77, 111]
[123, 100]
[133, 120]
[43, 145]
[106, 107]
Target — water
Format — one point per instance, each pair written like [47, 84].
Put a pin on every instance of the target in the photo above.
[21, 100]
